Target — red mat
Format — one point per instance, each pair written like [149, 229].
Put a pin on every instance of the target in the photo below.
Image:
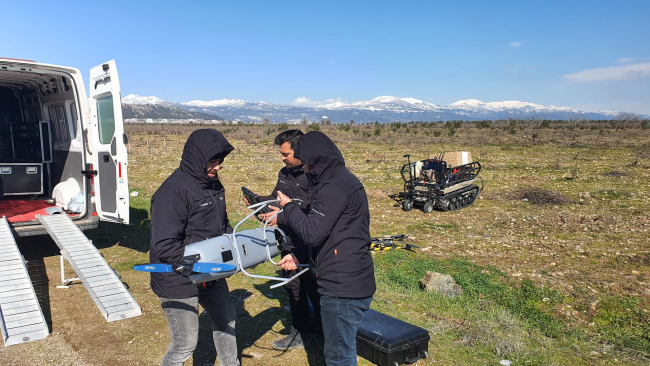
[17, 210]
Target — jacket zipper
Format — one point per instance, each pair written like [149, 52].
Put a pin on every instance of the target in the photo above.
[216, 206]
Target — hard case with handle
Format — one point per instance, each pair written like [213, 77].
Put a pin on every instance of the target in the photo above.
[387, 341]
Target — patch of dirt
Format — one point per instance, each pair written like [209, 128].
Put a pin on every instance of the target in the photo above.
[616, 173]
[539, 196]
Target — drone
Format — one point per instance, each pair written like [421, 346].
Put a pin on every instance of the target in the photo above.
[388, 243]
[229, 254]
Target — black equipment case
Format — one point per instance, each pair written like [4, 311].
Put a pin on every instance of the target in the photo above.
[387, 341]
[21, 178]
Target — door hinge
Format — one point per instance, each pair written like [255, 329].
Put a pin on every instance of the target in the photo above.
[89, 173]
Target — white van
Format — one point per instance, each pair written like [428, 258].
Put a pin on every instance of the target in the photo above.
[60, 148]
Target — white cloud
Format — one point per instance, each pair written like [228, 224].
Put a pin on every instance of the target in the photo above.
[627, 72]
[306, 102]
[303, 101]
[515, 44]
[626, 60]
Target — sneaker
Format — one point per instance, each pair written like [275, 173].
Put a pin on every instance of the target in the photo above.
[295, 339]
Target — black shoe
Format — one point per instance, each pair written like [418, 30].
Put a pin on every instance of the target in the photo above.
[295, 339]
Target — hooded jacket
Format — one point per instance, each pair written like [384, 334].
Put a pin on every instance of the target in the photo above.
[188, 207]
[293, 182]
[336, 227]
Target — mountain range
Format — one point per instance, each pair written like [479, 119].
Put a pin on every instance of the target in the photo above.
[383, 109]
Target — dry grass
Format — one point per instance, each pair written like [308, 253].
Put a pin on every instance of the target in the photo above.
[588, 240]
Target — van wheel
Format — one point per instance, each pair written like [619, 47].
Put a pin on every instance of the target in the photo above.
[428, 207]
[407, 205]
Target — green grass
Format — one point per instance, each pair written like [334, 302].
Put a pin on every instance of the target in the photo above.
[479, 284]
[623, 322]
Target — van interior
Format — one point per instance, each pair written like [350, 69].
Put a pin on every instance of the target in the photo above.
[41, 152]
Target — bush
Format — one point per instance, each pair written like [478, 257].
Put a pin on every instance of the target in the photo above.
[483, 124]
[313, 127]
[512, 126]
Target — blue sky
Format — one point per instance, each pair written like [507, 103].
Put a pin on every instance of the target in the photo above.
[589, 55]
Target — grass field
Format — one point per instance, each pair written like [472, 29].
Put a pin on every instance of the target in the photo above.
[553, 258]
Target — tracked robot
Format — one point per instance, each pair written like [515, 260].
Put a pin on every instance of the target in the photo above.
[434, 184]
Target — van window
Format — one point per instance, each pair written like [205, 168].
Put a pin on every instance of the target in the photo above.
[106, 118]
[73, 120]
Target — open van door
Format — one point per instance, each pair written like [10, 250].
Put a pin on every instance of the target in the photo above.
[108, 144]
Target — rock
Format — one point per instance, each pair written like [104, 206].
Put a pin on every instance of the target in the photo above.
[441, 283]
[255, 354]
[134, 193]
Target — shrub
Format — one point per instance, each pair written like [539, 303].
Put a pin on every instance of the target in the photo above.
[483, 124]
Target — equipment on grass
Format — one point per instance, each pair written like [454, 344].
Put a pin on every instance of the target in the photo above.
[388, 243]
[387, 341]
[434, 184]
[228, 254]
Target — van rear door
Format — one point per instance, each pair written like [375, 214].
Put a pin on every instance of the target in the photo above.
[108, 144]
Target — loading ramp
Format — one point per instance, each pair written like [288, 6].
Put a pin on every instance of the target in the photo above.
[21, 317]
[104, 286]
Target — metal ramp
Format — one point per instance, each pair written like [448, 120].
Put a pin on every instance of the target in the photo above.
[21, 318]
[111, 297]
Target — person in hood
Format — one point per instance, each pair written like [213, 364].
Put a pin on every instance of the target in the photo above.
[294, 183]
[189, 207]
[336, 231]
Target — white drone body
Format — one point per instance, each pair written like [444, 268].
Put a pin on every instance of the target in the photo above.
[244, 250]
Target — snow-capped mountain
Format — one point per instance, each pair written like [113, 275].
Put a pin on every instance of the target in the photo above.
[139, 100]
[382, 109]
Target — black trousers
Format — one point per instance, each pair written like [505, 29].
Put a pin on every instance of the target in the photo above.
[300, 291]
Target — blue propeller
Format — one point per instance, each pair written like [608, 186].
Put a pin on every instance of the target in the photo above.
[199, 267]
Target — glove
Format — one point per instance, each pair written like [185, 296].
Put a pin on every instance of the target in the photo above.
[186, 265]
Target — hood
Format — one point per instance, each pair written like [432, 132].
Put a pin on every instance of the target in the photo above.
[201, 146]
[319, 151]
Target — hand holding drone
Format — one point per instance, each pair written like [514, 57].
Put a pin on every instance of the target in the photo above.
[228, 254]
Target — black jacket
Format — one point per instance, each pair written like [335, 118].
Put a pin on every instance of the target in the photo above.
[188, 207]
[336, 228]
[294, 183]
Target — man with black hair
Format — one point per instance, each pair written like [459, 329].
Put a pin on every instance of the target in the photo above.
[189, 207]
[292, 181]
[336, 231]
